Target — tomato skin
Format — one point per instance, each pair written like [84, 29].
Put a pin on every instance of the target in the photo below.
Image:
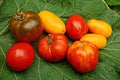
[76, 27]
[83, 56]
[26, 26]
[54, 51]
[99, 27]
[51, 22]
[99, 40]
[20, 56]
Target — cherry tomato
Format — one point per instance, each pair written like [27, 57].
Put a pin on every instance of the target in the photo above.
[26, 26]
[20, 56]
[83, 56]
[53, 47]
[76, 27]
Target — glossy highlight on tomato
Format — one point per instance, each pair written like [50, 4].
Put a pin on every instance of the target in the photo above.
[20, 56]
[76, 27]
[53, 47]
[83, 56]
[26, 26]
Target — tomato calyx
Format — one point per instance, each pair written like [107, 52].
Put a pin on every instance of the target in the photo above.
[19, 16]
[50, 41]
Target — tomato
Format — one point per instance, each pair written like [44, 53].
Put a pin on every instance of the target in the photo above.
[83, 56]
[51, 22]
[26, 26]
[53, 47]
[20, 56]
[76, 27]
[99, 27]
[99, 40]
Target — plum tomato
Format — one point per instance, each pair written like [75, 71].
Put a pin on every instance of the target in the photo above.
[99, 40]
[100, 27]
[76, 27]
[26, 26]
[20, 56]
[51, 22]
[53, 47]
[83, 56]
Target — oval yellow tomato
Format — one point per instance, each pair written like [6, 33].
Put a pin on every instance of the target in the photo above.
[99, 27]
[97, 39]
[51, 22]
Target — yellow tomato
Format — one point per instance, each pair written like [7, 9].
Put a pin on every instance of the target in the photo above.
[99, 27]
[97, 39]
[51, 22]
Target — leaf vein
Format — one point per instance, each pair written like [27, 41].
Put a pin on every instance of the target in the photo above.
[63, 74]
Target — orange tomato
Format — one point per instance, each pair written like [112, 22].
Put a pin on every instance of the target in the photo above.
[99, 40]
[51, 22]
[99, 27]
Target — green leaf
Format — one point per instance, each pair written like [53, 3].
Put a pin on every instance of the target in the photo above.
[116, 9]
[108, 67]
[113, 2]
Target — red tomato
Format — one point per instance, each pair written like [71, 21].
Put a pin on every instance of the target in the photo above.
[20, 56]
[53, 47]
[83, 56]
[76, 27]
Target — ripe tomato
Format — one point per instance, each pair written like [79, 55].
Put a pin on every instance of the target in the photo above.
[52, 23]
[20, 56]
[26, 26]
[83, 56]
[76, 27]
[100, 27]
[99, 40]
[53, 47]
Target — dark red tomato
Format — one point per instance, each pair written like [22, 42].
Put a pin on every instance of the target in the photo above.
[83, 56]
[20, 56]
[26, 26]
[53, 47]
[76, 27]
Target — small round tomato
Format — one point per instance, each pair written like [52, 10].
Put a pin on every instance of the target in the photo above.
[20, 56]
[76, 27]
[53, 47]
[83, 56]
[26, 26]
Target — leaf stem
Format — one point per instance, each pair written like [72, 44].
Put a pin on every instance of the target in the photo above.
[2, 52]
[25, 4]
[4, 29]
[38, 67]
[15, 76]
[18, 8]
[60, 71]
[2, 67]
[111, 49]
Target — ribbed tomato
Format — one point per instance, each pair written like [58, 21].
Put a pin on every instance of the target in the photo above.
[53, 47]
[83, 56]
